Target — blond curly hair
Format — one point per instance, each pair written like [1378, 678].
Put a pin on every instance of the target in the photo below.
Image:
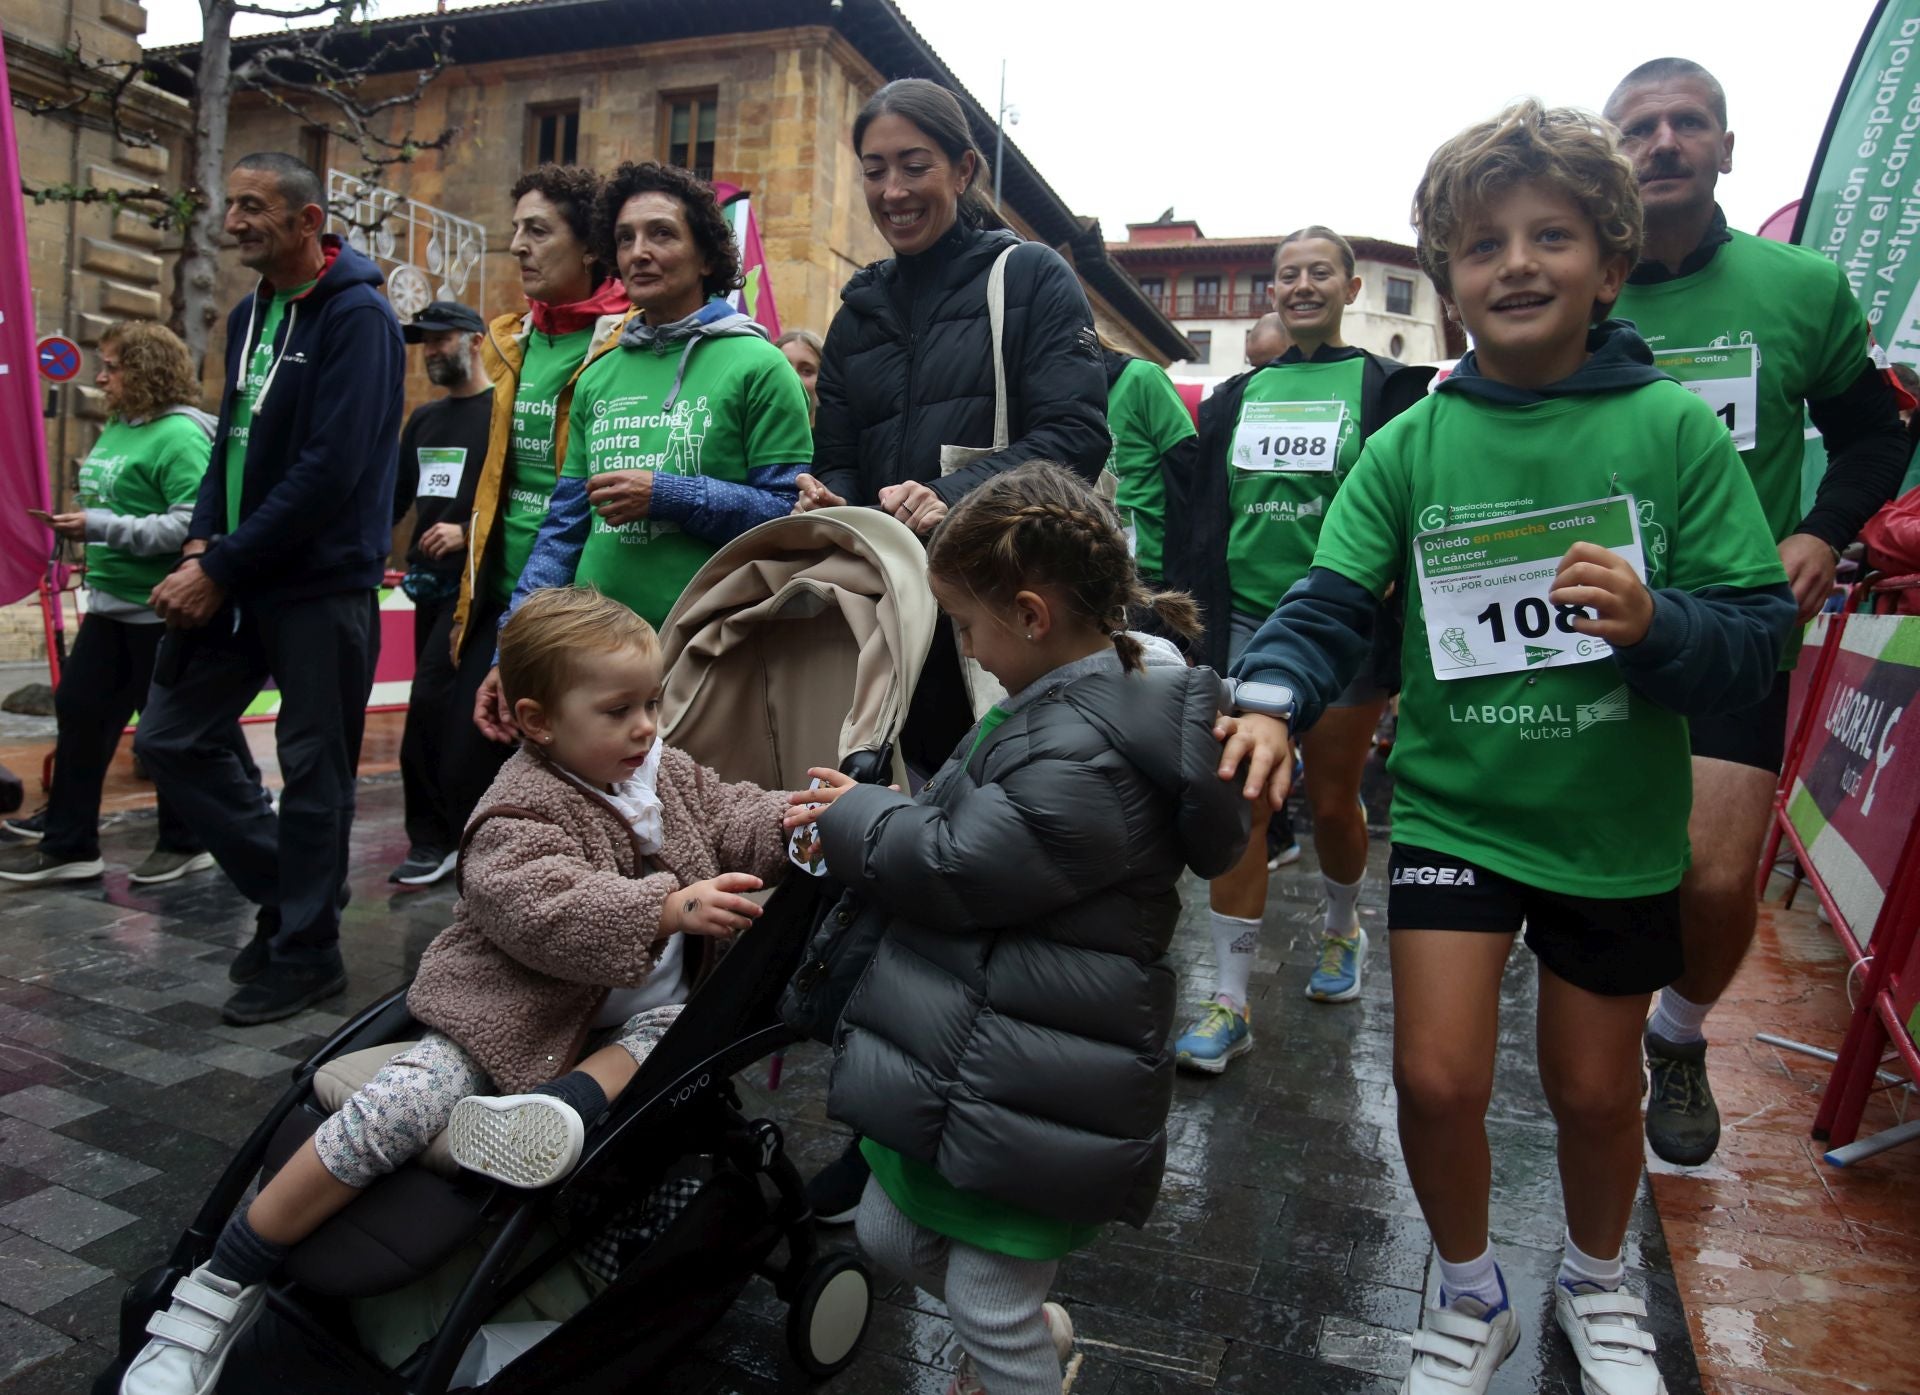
[1563, 148]
[156, 372]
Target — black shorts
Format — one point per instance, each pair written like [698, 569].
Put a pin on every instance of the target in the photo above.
[1755, 735]
[1614, 946]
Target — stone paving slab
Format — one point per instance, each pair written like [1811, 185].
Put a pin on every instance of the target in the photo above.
[1286, 1252]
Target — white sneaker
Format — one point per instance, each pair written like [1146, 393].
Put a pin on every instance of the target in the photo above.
[1458, 1348]
[522, 1140]
[1615, 1354]
[192, 1338]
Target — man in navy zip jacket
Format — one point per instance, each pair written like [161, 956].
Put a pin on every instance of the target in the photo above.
[277, 582]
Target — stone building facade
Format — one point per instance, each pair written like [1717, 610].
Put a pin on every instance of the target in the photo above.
[777, 102]
[90, 265]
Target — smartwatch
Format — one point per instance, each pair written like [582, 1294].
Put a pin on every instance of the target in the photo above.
[1267, 699]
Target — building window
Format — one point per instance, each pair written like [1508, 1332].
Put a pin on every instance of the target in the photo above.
[1257, 298]
[1399, 295]
[553, 134]
[1155, 290]
[1206, 296]
[1202, 341]
[689, 119]
[1396, 345]
[313, 148]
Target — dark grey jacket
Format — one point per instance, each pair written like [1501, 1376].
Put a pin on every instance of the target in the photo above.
[1012, 1029]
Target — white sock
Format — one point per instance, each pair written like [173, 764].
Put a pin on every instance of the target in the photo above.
[1342, 898]
[1477, 1278]
[1678, 1020]
[1578, 1267]
[1235, 938]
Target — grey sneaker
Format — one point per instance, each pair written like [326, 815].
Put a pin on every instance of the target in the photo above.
[169, 864]
[28, 862]
[1683, 1123]
[31, 828]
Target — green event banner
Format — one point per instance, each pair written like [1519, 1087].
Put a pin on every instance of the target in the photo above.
[1862, 204]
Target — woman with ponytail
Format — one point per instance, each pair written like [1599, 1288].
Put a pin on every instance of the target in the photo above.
[906, 418]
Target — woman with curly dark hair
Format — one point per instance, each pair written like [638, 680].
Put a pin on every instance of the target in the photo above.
[532, 356]
[688, 431]
[133, 502]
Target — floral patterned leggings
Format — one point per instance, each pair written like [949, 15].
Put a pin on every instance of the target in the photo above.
[391, 1119]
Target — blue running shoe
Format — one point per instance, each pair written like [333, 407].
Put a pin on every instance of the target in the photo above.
[1217, 1037]
[1337, 980]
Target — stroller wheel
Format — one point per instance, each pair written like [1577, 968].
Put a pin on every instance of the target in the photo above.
[828, 1316]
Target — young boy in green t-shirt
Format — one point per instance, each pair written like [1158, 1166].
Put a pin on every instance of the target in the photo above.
[1586, 565]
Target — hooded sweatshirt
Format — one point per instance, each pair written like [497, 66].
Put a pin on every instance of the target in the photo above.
[718, 416]
[1572, 772]
[1010, 1039]
[313, 512]
[138, 486]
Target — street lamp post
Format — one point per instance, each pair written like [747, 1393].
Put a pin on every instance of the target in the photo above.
[1007, 116]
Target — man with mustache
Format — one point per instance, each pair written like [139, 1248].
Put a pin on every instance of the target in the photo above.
[1760, 330]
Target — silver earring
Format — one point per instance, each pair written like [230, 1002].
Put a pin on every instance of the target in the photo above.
[1029, 637]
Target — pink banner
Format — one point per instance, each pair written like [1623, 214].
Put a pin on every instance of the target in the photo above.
[24, 543]
[754, 299]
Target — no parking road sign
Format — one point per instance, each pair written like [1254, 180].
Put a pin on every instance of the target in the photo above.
[59, 359]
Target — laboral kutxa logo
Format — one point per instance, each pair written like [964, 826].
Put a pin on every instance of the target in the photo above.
[1545, 721]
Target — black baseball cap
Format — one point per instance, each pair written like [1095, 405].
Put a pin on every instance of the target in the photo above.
[444, 315]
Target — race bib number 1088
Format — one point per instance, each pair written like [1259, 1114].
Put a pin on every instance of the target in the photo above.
[1289, 436]
[1484, 585]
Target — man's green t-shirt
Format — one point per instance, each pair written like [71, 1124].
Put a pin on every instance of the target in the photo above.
[240, 419]
[1757, 332]
[1561, 776]
[1146, 419]
[927, 1199]
[740, 407]
[1297, 437]
[136, 472]
[531, 470]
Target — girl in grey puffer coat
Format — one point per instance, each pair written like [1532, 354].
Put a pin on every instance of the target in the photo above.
[1005, 1056]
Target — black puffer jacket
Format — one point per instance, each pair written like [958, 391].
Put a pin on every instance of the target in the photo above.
[1012, 1029]
[908, 368]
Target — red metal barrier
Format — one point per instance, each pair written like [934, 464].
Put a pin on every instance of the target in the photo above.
[1848, 802]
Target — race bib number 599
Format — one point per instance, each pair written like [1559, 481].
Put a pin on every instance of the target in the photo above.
[1484, 585]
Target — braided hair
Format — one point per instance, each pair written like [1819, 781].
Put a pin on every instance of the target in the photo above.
[1041, 526]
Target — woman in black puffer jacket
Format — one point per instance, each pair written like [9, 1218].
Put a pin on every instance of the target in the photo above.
[908, 368]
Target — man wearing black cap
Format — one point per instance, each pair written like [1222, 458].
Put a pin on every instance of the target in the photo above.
[440, 454]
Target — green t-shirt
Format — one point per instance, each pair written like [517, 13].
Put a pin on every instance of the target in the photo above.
[1297, 437]
[530, 467]
[1146, 419]
[136, 472]
[740, 408]
[1559, 776]
[240, 419]
[928, 1199]
[1769, 327]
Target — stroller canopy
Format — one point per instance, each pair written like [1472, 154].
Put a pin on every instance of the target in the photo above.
[797, 644]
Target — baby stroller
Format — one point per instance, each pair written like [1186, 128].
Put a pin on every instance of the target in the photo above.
[801, 638]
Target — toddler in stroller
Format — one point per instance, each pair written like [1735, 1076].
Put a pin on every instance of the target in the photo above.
[592, 886]
[803, 636]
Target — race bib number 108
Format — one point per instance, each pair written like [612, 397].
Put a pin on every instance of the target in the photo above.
[1484, 585]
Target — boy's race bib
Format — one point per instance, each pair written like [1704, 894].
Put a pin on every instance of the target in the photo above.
[1484, 585]
[1294, 436]
[1726, 379]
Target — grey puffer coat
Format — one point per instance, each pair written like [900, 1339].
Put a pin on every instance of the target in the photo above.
[1012, 1031]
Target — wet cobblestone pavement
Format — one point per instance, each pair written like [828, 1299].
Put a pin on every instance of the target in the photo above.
[1286, 1253]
